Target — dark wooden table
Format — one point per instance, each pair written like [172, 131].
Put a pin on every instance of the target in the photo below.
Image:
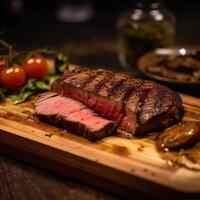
[20, 181]
[91, 43]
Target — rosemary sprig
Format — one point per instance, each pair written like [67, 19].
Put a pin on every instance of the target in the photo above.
[10, 53]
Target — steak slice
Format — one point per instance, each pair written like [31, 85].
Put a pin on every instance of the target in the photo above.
[136, 106]
[72, 116]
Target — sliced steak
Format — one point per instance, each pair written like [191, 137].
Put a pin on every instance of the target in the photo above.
[135, 105]
[72, 116]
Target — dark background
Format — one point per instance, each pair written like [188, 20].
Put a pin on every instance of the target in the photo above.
[37, 26]
[89, 43]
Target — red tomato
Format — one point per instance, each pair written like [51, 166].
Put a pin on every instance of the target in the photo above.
[36, 67]
[13, 78]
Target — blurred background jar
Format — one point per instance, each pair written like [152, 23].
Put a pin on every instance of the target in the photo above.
[150, 25]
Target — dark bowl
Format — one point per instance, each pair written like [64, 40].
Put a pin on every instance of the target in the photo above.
[151, 58]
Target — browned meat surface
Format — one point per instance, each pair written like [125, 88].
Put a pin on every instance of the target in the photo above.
[182, 135]
[72, 116]
[136, 106]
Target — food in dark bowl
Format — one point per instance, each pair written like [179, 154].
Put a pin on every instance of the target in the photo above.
[177, 65]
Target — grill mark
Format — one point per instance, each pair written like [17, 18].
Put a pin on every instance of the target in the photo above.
[159, 100]
[76, 80]
[89, 80]
[130, 91]
[102, 83]
[93, 76]
[142, 97]
[140, 104]
[115, 88]
[61, 79]
[72, 73]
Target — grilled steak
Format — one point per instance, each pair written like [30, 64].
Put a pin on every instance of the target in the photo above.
[136, 106]
[72, 115]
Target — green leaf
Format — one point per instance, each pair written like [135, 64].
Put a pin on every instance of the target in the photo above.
[42, 85]
[61, 61]
[62, 58]
[21, 97]
[32, 87]
[51, 78]
[28, 90]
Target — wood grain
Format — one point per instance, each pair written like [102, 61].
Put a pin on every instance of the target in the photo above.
[19, 181]
[127, 164]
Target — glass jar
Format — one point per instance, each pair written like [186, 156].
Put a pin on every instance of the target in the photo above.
[145, 28]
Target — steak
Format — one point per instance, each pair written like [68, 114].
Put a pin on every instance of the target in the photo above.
[136, 106]
[72, 116]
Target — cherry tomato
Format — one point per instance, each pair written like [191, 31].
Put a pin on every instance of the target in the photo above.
[36, 67]
[13, 78]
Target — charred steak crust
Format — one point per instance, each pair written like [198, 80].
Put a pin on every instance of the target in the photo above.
[136, 106]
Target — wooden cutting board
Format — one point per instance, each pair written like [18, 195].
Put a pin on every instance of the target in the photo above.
[119, 165]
